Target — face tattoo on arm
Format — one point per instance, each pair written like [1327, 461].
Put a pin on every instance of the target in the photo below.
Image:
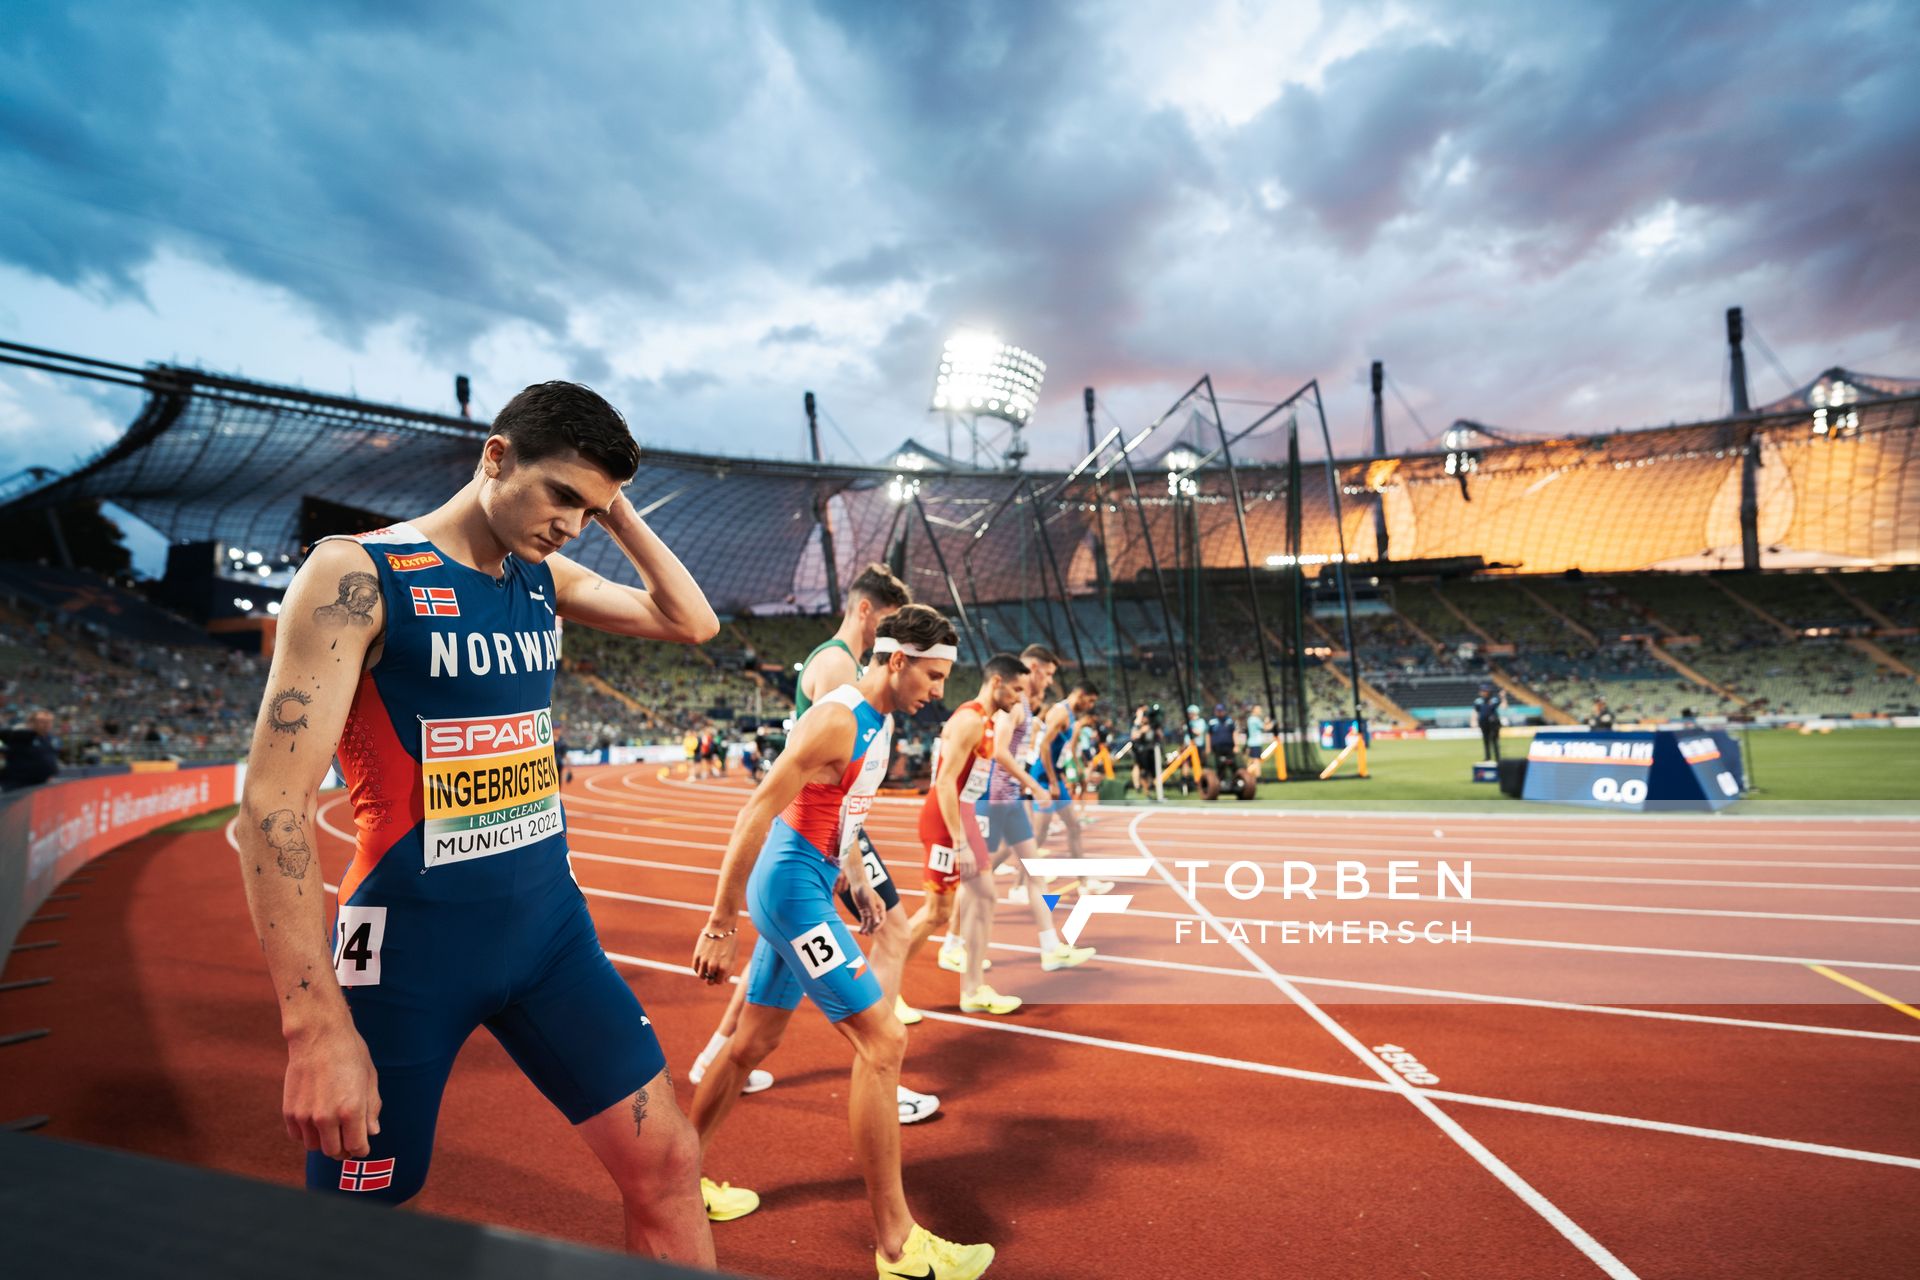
[359, 592]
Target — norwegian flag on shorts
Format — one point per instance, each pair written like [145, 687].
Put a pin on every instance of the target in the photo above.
[435, 602]
[366, 1175]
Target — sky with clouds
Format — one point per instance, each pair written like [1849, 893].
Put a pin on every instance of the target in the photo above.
[1536, 214]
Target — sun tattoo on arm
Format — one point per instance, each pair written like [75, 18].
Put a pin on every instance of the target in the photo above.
[287, 712]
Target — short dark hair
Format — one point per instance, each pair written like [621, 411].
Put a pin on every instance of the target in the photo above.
[877, 583]
[550, 417]
[1040, 653]
[1087, 687]
[919, 625]
[1006, 666]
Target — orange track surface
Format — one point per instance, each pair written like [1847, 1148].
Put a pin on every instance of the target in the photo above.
[1171, 1148]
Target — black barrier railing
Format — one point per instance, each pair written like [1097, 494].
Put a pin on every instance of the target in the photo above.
[69, 1210]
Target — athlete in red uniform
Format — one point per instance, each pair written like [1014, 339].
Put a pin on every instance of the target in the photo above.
[955, 849]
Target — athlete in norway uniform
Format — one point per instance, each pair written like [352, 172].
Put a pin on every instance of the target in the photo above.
[956, 853]
[424, 656]
[783, 868]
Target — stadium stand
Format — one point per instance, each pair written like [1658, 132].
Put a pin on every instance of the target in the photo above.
[1576, 564]
[124, 680]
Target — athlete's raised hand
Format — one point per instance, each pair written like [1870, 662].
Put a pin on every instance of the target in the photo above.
[332, 1098]
[713, 953]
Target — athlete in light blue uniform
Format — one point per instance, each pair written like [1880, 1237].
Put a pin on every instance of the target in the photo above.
[794, 837]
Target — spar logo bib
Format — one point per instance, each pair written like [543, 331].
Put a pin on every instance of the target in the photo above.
[490, 785]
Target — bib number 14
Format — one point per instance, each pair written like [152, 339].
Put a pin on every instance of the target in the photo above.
[359, 933]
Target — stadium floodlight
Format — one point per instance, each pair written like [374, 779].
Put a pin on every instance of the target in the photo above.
[273, 607]
[903, 489]
[981, 375]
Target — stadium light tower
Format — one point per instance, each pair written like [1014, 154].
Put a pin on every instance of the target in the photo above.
[982, 377]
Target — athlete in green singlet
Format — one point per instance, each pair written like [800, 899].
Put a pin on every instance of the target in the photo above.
[874, 595]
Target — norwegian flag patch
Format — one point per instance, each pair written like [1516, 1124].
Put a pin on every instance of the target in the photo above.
[366, 1175]
[438, 602]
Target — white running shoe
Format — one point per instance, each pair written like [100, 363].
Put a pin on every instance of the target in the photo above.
[1018, 895]
[1093, 886]
[756, 1078]
[915, 1107]
[1004, 869]
[1065, 956]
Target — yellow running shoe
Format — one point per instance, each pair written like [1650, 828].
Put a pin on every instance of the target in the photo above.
[986, 1000]
[1065, 956]
[905, 1012]
[954, 960]
[725, 1202]
[926, 1257]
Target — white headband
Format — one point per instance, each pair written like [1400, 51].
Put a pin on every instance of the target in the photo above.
[888, 644]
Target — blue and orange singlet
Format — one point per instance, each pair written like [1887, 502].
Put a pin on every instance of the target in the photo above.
[448, 747]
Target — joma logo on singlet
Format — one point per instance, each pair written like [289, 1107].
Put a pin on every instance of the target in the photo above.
[493, 652]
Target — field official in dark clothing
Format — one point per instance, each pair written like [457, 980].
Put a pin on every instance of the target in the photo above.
[1486, 714]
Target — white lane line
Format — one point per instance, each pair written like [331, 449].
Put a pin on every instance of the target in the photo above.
[1357, 1082]
[1394, 819]
[1434, 993]
[1594, 1117]
[1458, 845]
[1478, 937]
[1126, 870]
[1431, 992]
[1121, 867]
[1576, 1235]
[1470, 1099]
[1376, 817]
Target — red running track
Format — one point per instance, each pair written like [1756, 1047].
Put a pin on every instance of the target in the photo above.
[1674, 1089]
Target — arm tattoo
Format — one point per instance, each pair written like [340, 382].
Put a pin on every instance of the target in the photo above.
[359, 593]
[286, 713]
[286, 839]
[639, 1109]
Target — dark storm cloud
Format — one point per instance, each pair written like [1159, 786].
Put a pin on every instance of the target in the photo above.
[1460, 194]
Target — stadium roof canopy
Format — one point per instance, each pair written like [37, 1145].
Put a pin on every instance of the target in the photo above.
[238, 462]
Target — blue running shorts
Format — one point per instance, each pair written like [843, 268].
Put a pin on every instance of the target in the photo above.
[529, 968]
[805, 948]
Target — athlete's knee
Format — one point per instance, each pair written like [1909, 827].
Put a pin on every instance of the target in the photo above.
[883, 1042]
[672, 1163]
[749, 1045]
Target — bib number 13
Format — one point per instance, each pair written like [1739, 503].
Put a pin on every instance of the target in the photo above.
[358, 935]
[819, 950]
